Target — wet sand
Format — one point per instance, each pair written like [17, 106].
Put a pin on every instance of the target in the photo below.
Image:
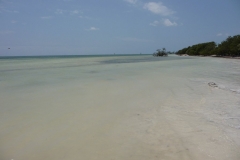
[131, 111]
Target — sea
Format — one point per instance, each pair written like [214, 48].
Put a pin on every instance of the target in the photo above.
[112, 107]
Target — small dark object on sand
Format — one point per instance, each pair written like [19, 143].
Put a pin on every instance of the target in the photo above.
[212, 84]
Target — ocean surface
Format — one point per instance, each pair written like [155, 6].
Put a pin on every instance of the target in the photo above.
[132, 107]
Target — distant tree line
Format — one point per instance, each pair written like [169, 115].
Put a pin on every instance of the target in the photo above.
[162, 52]
[229, 47]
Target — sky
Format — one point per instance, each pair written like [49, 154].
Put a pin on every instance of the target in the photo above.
[92, 27]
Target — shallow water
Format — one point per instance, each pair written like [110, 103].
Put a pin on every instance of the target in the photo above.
[119, 107]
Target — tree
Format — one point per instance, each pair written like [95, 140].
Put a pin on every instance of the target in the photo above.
[229, 47]
[160, 52]
[238, 46]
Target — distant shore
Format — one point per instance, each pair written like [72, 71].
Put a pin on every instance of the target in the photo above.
[230, 57]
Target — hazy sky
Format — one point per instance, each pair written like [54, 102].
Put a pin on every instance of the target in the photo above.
[57, 27]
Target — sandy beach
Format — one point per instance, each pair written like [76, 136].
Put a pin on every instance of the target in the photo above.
[120, 108]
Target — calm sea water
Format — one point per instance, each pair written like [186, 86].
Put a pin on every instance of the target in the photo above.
[33, 71]
[133, 107]
[28, 71]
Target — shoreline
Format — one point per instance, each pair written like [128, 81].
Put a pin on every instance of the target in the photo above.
[71, 108]
[228, 57]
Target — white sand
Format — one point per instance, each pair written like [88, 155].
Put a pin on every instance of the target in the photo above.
[120, 111]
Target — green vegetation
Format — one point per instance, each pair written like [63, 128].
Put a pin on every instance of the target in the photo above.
[162, 52]
[229, 47]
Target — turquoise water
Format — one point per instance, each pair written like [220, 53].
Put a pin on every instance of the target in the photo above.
[132, 107]
[20, 72]
[27, 71]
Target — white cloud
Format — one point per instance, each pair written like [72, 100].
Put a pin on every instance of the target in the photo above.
[131, 1]
[168, 23]
[132, 39]
[158, 8]
[6, 32]
[93, 29]
[155, 23]
[10, 11]
[13, 21]
[60, 11]
[165, 22]
[84, 17]
[222, 34]
[47, 17]
[74, 12]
